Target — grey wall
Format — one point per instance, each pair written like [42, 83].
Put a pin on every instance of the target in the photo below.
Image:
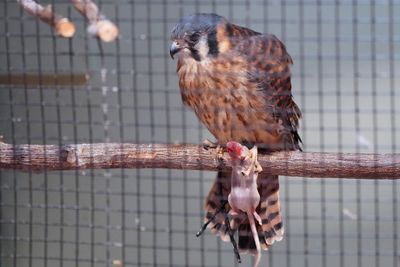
[150, 217]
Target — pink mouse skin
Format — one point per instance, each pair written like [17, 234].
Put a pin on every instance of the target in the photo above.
[244, 196]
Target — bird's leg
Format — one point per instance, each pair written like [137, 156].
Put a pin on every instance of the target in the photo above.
[228, 227]
[221, 149]
[231, 237]
[204, 227]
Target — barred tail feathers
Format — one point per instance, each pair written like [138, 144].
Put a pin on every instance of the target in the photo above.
[271, 229]
[219, 192]
[269, 208]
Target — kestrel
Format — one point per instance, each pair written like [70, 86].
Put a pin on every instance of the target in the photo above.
[238, 82]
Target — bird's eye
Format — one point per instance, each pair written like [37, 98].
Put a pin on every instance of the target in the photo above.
[193, 38]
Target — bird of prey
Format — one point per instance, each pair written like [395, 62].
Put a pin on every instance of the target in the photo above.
[238, 83]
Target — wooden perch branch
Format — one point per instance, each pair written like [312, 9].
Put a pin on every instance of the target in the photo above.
[60, 24]
[193, 157]
[98, 24]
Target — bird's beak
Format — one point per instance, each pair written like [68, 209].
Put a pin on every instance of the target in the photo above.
[174, 48]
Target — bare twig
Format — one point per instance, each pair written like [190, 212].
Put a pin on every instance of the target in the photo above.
[61, 25]
[193, 157]
[98, 24]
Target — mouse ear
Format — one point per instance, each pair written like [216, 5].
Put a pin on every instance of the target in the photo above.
[245, 153]
[254, 150]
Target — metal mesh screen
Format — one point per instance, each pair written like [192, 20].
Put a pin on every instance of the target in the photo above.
[57, 91]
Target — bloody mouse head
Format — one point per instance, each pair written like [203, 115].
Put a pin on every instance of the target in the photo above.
[236, 150]
[242, 159]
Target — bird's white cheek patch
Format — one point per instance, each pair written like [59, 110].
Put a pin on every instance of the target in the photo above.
[202, 47]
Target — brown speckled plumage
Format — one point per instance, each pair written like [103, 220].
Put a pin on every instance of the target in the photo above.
[247, 88]
[241, 92]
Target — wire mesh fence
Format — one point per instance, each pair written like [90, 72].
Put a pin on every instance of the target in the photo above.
[65, 91]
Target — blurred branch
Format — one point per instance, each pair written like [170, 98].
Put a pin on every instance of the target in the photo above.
[60, 24]
[44, 79]
[99, 25]
[193, 157]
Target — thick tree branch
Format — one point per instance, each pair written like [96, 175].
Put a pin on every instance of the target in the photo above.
[99, 25]
[193, 157]
[61, 25]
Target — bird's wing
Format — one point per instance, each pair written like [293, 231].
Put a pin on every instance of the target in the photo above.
[269, 68]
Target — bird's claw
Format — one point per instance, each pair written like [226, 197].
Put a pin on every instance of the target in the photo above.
[220, 149]
[207, 144]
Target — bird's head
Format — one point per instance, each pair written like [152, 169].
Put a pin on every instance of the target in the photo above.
[196, 36]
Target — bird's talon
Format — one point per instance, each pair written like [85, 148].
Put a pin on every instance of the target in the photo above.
[207, 144]
[220, 152]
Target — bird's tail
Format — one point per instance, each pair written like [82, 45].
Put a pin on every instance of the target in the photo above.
[271, 229]
[218, 194]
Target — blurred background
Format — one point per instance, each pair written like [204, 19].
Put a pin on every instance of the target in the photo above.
[346, 79]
